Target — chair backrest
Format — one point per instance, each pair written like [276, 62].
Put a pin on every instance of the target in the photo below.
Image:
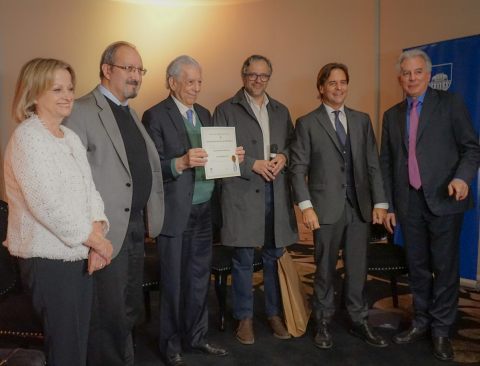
[8, 275]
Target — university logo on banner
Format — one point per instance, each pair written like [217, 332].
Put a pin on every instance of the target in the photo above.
[441, 76]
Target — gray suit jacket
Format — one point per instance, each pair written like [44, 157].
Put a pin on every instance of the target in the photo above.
[316, 153]
[93, 120]
[243, 198]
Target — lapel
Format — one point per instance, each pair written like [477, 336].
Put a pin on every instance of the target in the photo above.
[177, 120]
[402, 121]
[354, 130]
[429, 104]
[108, 120]
[326, 123]
[239, 98]
[203, 115]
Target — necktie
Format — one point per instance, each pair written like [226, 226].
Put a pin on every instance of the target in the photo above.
[126, 108]
[342, 135]
[190, 116]
[413, 171]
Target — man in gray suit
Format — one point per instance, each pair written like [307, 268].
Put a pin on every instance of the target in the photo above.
[127, 173]
[335, 148]
[257, 208]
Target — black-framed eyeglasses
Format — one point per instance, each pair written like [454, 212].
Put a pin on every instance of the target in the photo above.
[253, 77]
[132, 69]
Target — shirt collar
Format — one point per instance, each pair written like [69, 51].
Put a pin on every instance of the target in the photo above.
[330, 109]
[110, 96]
[181, 107]
[420, 99]
[250, 100]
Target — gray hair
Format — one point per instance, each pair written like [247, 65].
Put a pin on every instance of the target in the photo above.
[414, 54]
[175, 68]
[108, 56]
[255, 58]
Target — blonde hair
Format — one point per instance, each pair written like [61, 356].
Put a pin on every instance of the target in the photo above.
[35, 78]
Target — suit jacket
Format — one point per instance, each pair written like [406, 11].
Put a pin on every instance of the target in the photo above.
[243, 198]
[447, 148]
[93, 121]
[317, 153]
[165, 125]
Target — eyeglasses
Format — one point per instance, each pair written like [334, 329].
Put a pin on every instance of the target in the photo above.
[132, 69]
[253, 77]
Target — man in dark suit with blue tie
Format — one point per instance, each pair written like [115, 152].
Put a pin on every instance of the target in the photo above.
[335, 148]
[185, 243]
[427, 183]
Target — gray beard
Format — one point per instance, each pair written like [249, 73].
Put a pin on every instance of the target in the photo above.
[130, 94]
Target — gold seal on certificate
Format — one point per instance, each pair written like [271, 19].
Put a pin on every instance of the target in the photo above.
[220, 144]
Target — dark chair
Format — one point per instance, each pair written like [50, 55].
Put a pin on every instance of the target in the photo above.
[222, 268]
[387, 259]
[18, 321]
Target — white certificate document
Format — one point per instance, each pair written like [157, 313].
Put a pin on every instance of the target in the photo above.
[220, 144]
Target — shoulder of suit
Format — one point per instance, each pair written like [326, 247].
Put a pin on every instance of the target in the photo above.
[225, 104]
[200, 108]
[356, 113]
[275, 103]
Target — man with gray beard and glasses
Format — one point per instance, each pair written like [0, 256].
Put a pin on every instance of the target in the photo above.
[126, 171]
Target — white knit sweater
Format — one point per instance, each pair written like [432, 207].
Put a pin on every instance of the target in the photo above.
[51, 195]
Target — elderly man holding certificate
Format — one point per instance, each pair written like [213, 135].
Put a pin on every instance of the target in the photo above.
[185, 243]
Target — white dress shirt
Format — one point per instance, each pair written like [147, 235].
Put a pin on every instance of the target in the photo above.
[343, 120]
[183, 110]
[262, 117]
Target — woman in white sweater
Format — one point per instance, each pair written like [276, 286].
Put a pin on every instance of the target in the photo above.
[56, 216]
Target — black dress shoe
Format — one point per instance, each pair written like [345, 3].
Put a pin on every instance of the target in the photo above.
[411, 335]
[323, 338]
[209, 350]
[442, 349]
[368, 334]
[176, 360]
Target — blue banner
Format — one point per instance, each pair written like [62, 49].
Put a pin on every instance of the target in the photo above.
[456, 68]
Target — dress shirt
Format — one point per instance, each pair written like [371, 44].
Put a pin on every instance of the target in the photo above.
[419, 109]
[262, 117]
[343, 120]
[112, 97]
[183, 110]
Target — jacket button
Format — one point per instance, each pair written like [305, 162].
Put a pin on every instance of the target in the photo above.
[128, 185]
[257, 190]
[405, 184]
[406, 163]
[127, 210]
[254, 141]
[344, 185]
[190, 194]
[342, 168]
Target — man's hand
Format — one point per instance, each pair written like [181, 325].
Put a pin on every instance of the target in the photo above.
[310, 219]
[459, 187]
[277, 163]
[390, 222]
[95, 262]
[194, 157]
[379, 215]
[263, 168]
[240, 153]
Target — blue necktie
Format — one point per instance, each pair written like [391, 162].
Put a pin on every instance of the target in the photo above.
[190, 116]
[342, 135]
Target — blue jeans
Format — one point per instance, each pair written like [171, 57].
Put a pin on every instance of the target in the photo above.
[242, 269]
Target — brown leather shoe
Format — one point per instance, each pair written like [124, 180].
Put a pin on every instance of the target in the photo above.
[278, 327]
[245, 331]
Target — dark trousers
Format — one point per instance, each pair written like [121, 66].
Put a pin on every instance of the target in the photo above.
[117, 300]
[62, 297]
[432, 248]
[354, 233]
[185, 268]
[242, 269]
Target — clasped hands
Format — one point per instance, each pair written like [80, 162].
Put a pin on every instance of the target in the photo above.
[198, 157]
[100, 254]
[268, 169]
